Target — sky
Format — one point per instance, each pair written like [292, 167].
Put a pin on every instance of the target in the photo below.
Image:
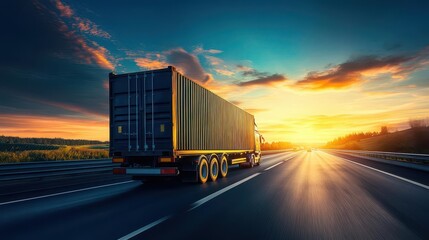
[309, 71]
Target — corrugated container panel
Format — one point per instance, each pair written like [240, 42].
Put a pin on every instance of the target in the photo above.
[209, 122]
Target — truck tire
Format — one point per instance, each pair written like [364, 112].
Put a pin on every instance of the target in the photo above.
[252, 160]
[214, 169]
[203, 170]
[259, 161]
[223, 167]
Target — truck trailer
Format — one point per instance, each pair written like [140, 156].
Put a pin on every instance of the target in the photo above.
[163, 124]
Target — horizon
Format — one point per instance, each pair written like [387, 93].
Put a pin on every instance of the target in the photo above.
[305, 76]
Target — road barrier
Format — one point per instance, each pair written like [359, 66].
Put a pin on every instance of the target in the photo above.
[37, 170]
[404, 157]
[409, 160]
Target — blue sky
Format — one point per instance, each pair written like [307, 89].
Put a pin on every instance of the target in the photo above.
[287, 37]
[308, 70]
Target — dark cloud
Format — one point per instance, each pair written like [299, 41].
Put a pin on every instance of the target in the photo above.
[351, 72]
[260, 78]
[188, 63]
[254, 73]
[251, 72]
[46, 68]
[269, 80]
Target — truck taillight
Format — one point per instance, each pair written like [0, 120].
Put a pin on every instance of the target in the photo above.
[166, 159]
[119, 171]
[118, 159]
[169, 171]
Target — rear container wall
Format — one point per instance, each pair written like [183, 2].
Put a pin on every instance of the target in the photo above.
[141, 113]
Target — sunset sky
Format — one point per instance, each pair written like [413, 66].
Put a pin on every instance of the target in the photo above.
[308, 70]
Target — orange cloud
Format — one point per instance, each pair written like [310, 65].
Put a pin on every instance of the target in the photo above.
[150, 64]
[224, 72]
[88, 26]
[83, 24]
[100, 55]
[63, 127]
[93, 53]
[357, 70]
[268, 80]
[186, 63]
[64, 9]
[88, 51]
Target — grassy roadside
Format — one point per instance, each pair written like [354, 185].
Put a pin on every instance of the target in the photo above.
[62, 153]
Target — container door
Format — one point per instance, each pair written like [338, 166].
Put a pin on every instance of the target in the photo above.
[125, 101]
[140, 113]
[157, 112]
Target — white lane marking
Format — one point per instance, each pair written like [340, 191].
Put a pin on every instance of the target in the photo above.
[195, 204]
[392, 175]
[275, 165]
[145, 228]
[223, 190]
[62, 193]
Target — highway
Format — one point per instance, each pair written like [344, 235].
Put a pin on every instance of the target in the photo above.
[292, 195]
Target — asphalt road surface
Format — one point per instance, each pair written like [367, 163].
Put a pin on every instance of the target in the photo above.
[292, 195]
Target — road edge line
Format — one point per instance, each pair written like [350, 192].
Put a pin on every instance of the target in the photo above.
[390, 174]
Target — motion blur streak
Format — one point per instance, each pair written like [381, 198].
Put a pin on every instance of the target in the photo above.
[314, 195]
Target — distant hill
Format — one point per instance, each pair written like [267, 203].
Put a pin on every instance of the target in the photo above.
[48, 141]
[413, 140]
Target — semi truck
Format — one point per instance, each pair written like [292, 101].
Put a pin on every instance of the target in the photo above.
[163, 124]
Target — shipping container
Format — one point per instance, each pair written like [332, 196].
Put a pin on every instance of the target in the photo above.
[165, 124]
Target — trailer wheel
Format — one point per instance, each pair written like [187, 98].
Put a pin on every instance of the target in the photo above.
[203, 170]
[223, 166]
[252, 160]
[214, 169]
[259, 161]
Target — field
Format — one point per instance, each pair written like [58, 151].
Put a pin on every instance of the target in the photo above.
[13, 153]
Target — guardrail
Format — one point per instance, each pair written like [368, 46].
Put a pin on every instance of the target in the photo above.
[38, 170]
[31, 170]
[395, 156]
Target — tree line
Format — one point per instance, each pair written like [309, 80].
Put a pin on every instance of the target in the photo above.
[413, 123]
[48, 141]
[276, 145]
[354, 137]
